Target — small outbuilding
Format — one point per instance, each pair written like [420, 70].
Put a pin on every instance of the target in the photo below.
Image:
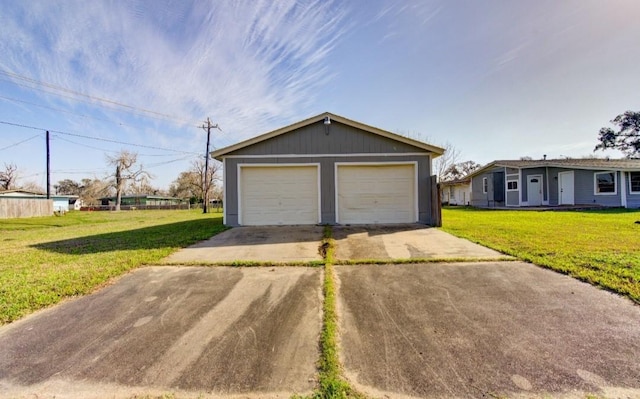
[331, 170]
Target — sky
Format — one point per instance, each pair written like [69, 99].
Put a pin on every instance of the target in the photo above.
[495, 79]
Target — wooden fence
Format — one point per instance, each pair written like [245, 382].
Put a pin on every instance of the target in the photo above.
[25, 207]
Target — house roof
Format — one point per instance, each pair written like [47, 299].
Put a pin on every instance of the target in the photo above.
[219, 154]
[20, 192]
[587, 163]
[464, 180]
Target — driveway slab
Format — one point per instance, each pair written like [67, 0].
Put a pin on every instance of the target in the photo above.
[278, 244]
[226, 331]
[506, 329]
[403, 242]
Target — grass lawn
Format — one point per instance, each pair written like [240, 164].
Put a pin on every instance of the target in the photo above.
[601, 247]
[45, 260]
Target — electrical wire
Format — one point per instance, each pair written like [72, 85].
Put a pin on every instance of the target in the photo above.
[104, 150]
[88, 96]
[63, 110]
[19, 142]
[97, 138]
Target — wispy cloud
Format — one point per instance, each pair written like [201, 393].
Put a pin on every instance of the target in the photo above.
[248, 63]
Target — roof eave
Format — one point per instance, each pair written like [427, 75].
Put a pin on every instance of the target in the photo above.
[220, 153]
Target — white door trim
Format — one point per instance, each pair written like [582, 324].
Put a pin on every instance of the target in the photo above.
[276, 165]
[415, 182]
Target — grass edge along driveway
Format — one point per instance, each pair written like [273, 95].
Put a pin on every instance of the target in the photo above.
[48, 259]
[599, 247]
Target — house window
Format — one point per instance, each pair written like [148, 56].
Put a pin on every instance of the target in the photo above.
[634, 182]
[512, 185]
[485, 185]
[605, 183]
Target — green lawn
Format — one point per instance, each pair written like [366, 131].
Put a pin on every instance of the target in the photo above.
[601, 247]
[45, 260]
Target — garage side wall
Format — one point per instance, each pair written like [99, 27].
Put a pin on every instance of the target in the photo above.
[327, 181]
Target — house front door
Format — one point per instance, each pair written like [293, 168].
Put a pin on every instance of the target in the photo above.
[534, 190]
[565, 188]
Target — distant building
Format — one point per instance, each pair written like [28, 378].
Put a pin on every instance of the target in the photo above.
[143, 200]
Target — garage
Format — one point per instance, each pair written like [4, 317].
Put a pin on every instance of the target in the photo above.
[281, 194]
[376, 193]
[328, 169]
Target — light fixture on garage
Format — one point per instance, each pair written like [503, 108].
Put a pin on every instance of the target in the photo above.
[327, 122]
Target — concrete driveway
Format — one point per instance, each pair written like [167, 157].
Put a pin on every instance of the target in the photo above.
[412, 241]
[506, 329]
[226, 331]
[278, 244]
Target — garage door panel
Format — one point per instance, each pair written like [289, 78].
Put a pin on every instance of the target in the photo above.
[376, 194]
[279, 195]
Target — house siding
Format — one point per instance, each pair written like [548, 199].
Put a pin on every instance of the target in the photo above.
[633, 200]
[331, 144]
[327, 182]
[336, 138]
[478, 198]
[584, 190]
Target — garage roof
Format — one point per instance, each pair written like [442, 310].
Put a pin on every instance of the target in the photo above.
[220, 153]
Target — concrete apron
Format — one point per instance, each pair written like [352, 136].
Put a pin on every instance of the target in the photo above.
[404, 242]
[299, 244]
[278, 244]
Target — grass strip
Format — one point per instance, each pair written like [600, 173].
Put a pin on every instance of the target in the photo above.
[331, 383]
[408, 261]
[243, 263]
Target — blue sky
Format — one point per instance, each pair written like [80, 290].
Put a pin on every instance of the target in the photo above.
[496, 79]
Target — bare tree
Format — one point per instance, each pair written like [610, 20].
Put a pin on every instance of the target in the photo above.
[192, 183]
[125, 172]
[8, 176]
[446, 160]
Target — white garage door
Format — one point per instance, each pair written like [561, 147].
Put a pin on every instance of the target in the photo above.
[279, 195]
[376, 194]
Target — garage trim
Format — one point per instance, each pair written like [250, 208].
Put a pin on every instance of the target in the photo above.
[278, 165]
[415, 182]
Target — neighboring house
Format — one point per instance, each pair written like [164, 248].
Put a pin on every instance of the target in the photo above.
[605, 182]
[22, 204]
[142, 200]
[456, 192]
[328, 169]
[60, 202]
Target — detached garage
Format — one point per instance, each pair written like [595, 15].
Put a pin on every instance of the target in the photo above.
[327, 169]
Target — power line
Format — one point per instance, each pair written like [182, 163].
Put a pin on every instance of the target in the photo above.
[88, 96]
[19, 142]
[62, 110]
[97, 138]
[105, 150]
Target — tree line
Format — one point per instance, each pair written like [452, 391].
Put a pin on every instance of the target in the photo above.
[128, 178]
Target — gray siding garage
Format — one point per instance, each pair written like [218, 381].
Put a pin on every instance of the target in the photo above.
[327, 169]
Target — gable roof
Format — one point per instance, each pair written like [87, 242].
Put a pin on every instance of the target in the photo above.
[587, 163]
[218, 154]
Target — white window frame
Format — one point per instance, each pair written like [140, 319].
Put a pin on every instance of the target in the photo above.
[631, 187]
[615, 182]
[513, 189]
[485, 185]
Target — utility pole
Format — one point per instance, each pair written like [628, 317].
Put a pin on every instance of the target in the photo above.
[205, 178]
[48, 167]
